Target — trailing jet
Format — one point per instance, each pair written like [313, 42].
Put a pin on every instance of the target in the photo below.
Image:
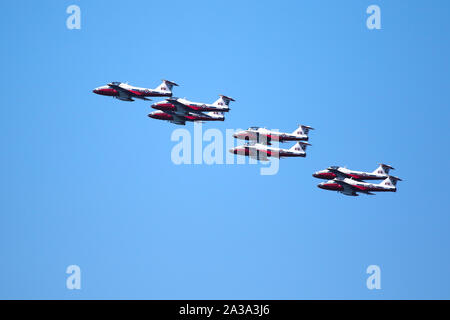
[125, 92]
[380, 173]
[183, 105]
[263, 152]
[264, 135]
[182, 117]
[351, 187]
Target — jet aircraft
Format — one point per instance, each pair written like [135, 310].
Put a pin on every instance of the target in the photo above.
[180, 118]
[183, 105]
[380, 173]
[263, 152]
[265, 136]
[351, 187]
[126, 92]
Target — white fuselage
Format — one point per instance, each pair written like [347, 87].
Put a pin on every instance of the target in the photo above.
[359, 175]
[264, 135]
[123, 91]
[266, 151]
[355, 186]
[179, 103]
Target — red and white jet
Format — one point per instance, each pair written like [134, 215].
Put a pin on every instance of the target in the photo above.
[263, 152]
[125, 92]
[178, 111]
[380, 173]
[264, 135]
[181, 117]
[351, 187]
[183, 105]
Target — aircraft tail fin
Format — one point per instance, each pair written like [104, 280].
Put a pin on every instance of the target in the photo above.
[383, 169]
[223, 101]
[166, 86]
[302, 130]
[390, 181]
[300, 146]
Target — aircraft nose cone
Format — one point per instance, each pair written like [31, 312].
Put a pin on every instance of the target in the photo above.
[150, 115]
[321, 185]
[94, 91]
[315, 175]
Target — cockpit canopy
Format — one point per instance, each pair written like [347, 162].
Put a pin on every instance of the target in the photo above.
[253, 128]
[115, 83]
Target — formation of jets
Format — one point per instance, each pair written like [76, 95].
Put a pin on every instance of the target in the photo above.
[350, 182]
[259, 143]
[174, 110]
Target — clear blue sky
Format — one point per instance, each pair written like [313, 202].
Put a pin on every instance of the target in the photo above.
[88, 180]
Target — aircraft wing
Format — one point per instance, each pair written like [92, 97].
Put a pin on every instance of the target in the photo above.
[338, 173]
[266, 153]
[120, 89]
[124, 93]
[348, 188]
[142, 98]
[269, 153]
[181, 107]
[258, 156]
[178, 120]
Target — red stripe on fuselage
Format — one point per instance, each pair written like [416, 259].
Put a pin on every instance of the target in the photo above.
[331, 186]
[325, 175]
[161, 116]
[164, 106]
[289, 155]
[113, 92]
[107, 92]
[170, 106]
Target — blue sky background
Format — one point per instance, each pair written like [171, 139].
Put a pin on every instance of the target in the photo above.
[88, 180]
